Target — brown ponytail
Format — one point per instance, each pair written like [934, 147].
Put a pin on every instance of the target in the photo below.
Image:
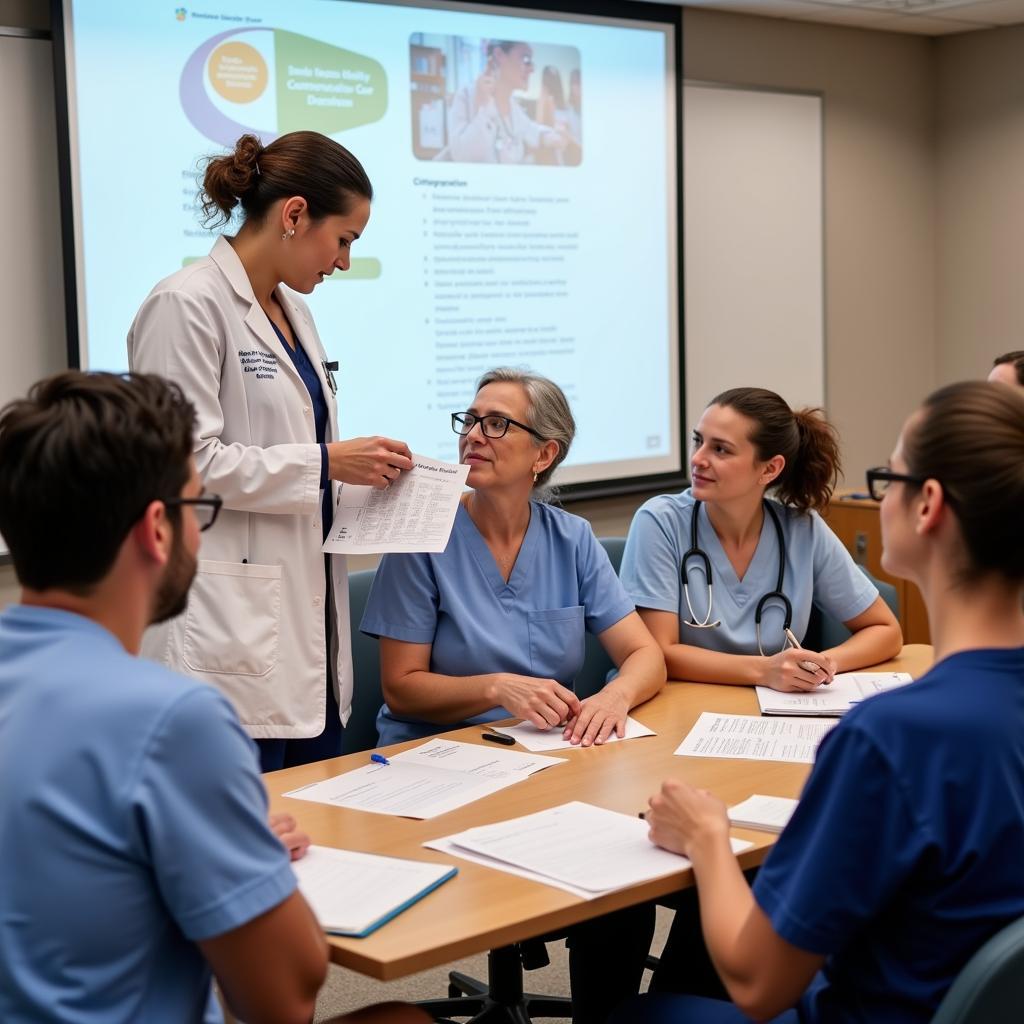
[805, 439]
[305, 164]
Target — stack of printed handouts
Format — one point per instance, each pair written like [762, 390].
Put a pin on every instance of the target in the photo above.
[763, 813]
[428, 780]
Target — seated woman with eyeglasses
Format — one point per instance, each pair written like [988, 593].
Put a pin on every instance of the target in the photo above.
[904, 854]
[724, 576]
[494, 626]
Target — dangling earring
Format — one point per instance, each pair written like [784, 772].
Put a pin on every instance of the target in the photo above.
[534, 477]
[288, 234]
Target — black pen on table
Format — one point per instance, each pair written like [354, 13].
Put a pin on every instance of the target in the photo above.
[499, 737]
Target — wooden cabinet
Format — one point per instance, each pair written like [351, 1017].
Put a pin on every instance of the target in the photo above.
[855, 522]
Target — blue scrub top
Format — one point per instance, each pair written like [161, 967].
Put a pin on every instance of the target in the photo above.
[905, 852]
[819, 570]
[133, 825]
[561, 586]
[321, 417]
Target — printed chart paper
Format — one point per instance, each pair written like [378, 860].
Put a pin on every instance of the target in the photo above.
[753, 738]
[415, 513]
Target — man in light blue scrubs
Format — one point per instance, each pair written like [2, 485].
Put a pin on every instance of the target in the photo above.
[135, 854]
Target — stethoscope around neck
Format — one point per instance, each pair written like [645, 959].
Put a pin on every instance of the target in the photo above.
[773, 595]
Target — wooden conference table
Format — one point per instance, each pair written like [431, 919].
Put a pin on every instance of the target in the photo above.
[483, 909]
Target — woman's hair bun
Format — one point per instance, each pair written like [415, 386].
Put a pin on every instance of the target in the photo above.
[229, 179]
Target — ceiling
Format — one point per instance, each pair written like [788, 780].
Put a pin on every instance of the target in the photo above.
[922, 17]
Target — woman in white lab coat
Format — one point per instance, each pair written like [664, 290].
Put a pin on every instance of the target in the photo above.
[267, 620]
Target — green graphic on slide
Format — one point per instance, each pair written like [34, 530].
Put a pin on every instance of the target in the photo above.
[325, 88]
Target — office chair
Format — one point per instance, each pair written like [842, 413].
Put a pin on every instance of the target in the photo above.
[990, 989]
[596, 663]
[361, 731]
[825, 631]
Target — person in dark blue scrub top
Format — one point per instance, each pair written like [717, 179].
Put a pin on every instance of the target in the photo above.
[494, 626]
[904, 855]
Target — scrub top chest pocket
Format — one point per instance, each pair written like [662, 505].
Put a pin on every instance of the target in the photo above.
[557, 643]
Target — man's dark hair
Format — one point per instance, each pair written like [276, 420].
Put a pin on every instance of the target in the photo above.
[80, 459]
[1016, 360]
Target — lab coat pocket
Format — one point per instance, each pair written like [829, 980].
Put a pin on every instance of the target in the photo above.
[557, 638]
[233, 621]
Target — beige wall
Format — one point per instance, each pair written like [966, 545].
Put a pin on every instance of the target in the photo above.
[879, 203]
[980, 263]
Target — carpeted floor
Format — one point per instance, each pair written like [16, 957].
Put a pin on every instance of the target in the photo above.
[345, 990]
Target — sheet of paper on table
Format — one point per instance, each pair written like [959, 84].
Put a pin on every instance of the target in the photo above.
[764, 813]
[583, 849]
[354, 893]
[528, 735]
[415, 513]
[846, 690]
[753, 738]
[431, 779]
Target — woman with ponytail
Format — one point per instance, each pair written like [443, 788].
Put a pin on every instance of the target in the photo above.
[267, 620]
[760, 474]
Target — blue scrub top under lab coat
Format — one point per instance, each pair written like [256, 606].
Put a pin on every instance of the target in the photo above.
[561, 586]
[819, 570]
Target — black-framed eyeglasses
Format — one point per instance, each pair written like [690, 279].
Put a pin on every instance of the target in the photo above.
[880, 477]
[491, 425]
[207, 507]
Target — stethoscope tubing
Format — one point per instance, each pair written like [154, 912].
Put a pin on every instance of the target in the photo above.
[777, 594]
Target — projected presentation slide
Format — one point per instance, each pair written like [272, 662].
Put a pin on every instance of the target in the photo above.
[524, 168]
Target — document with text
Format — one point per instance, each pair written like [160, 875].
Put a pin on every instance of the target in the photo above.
[833, 700]
[753, 738]
[528, 735]
[578, 847]
[428, 780]
[354, 893]
[415, 513]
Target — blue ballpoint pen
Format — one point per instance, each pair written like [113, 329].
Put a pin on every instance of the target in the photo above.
[379, 759]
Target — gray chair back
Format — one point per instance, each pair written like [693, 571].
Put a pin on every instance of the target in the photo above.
[596, 663]
[361, 731]
[990, 989]
[825, 631]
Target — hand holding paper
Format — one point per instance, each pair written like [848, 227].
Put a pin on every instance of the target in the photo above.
[414, 513]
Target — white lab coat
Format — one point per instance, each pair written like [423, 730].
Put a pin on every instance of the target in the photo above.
[255, 622]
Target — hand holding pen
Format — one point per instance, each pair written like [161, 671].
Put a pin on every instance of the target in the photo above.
[813, 667]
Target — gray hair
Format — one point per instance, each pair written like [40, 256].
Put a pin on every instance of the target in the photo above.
[550, 414]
